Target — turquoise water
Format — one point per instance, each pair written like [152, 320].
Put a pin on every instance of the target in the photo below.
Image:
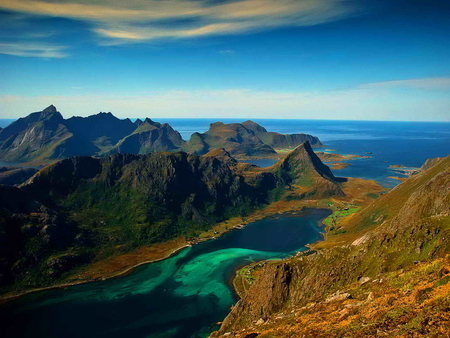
[179, 297]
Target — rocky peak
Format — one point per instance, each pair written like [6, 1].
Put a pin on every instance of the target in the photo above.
[303, 156]
[254, 126]
[222, 155]
[50, 114]
[50, 109]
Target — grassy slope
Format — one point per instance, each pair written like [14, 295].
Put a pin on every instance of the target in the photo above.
[404, 227]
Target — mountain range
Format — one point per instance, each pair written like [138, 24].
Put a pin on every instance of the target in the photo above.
[82, 209]
[46, 136]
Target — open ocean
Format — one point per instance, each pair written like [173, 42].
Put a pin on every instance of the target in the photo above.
[390, 143]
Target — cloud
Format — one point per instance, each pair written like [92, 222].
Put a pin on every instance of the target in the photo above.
[227, 52]
[355, 103]
[41, 50]
[432, 83]
[144, 20]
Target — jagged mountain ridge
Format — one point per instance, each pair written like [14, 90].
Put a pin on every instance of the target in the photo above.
[46, 136]
[71, 210]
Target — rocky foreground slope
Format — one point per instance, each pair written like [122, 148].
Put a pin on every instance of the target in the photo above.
[391, 279]
[84, 209]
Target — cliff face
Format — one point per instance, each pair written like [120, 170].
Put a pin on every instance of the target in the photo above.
[245, 139]
[81, 208]
[403, 232]
[46, 135]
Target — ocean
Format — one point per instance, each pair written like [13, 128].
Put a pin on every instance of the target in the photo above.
[408, 144]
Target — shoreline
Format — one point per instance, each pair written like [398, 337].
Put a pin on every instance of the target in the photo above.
[272, 210]
[130, 269]
[320, 225]
[122, 273]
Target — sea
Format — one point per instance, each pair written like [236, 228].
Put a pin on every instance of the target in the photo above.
[385, 143]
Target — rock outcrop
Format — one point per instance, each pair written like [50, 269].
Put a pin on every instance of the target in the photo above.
[245, 139]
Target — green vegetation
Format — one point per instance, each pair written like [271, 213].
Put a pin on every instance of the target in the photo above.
[338, 214]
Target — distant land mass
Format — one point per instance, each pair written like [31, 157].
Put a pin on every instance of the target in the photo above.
[46, 136]
[245, 139]
[82, 209]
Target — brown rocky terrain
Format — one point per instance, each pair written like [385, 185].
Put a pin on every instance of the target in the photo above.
[388, 276]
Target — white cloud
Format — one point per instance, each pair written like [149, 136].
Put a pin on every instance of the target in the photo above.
[25, 49]
[144, 20]
[424, 83]
[227, 52]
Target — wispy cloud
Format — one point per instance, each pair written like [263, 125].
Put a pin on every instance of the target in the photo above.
[353, 103]
[144, 20]
[424, 83]
[227, 52]
[41, 50]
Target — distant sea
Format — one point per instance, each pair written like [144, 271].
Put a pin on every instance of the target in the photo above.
[388, 143]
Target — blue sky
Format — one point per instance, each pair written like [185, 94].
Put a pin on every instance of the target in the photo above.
[326, 59]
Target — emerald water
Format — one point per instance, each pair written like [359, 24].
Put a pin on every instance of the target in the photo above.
[182, 296]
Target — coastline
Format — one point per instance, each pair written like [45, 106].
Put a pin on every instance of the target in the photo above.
[116, 266]
[257, 216]
[322, 232]
[65, 285]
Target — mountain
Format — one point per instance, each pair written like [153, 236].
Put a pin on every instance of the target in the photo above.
[40, 135]
[245, 139]
[103, 130]
[390, 278]
[82, 208]
[15, 175]
[281, 141]
[150, 137]
[45, 136]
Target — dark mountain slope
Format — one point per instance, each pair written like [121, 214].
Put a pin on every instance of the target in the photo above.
[85, 208]
[150, 137]
[15, 175]
[103, 130]
[409, 225]
[39, 136]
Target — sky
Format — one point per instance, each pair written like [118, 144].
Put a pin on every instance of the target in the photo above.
[304, 59]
